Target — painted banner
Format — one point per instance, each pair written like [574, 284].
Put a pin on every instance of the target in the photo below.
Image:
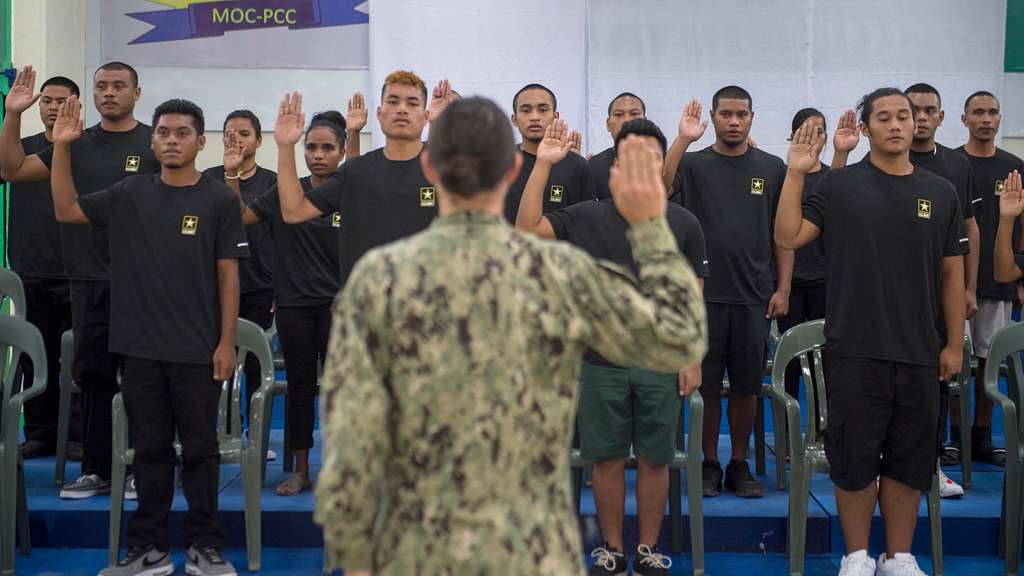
[318, 34]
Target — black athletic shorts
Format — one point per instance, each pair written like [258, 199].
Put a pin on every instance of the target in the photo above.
[883, 420]
[737, 339]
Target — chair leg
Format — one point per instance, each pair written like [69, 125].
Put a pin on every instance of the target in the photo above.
[1012, 511]
[781, 447]
[117, 478]
[799, 492]
[694, 486]
[759, 457]
[21, 515]
[965, 433]
[935, 521]
[63, 431]
[675, 510]
[252, 483]
[8, 474]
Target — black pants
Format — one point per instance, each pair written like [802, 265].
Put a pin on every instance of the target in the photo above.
[48, 305]
[95, 371]
[162, 398]
[255, 307]
[304, 331]
[806, 303]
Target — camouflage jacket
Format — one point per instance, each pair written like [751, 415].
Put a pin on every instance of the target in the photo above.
[449, 392]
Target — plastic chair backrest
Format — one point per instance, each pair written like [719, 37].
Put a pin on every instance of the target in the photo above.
[12, 288]
[803, 341]
[1008, 343]
[250, 339]
[21, 338]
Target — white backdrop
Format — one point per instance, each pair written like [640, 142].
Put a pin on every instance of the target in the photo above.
[787, 53]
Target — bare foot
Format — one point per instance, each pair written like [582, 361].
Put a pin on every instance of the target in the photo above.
[294, 485]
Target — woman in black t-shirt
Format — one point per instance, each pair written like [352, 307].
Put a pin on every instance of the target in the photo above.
[305, 282]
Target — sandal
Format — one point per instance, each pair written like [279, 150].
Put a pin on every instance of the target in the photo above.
[293, 486]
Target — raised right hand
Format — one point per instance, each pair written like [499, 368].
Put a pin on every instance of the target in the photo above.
[690, 125]
[556, 143]
[291, 122]
[1011, 201]
[804, 148]
[69, 124]
[847, 135]
[233, 153]
[22, 95]
[635, 182]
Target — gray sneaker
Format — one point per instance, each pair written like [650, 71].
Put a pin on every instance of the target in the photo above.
[141, 561]
[207, 561]
[130, 492]
[85, 487]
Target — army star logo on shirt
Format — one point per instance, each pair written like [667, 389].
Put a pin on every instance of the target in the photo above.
[557, 193]
[189, 225]
[131, 163]
[924, 208]
[427, 197]
[336, 220]
[757, 186]
[999, 187]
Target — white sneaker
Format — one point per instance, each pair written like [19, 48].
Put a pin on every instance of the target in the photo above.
[271, 455]
[948, 488]
[899, 565]
[857, 564]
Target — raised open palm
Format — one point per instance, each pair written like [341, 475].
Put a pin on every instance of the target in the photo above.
[804, 148]
[556, 143]
[22, 95]
[233, 153]
[1011, 201]
[68, 126]
[355, 117]
[291, 122]
[847, 135]
[690, 125]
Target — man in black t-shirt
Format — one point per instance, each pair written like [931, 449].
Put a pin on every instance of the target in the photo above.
[382, 195]
[894, 318]
[570, 181]
[117, 147]
[619, 405]
[34, 254]
[733, 189]
[995, 299]
[176, 239]
[623, 108]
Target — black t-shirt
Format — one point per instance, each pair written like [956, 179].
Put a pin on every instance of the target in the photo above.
[100, 159]
[569, 182]
[599, 229]
[165, 242]
[255, 273]
[886, 237]
[305, 255]
[601, 169]
[734, 197]
[953, 167]
[989, 174]
[381, 201]
[809, 261]
[34, 248]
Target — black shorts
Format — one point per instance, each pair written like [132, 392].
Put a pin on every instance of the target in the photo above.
[883, 419]
[737, 336]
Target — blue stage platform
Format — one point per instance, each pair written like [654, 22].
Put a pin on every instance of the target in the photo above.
[741, 536]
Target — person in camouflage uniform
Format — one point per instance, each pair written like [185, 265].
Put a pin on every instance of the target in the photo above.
[449, 391]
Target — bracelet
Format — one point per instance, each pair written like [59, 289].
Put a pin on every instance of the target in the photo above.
[235, 177]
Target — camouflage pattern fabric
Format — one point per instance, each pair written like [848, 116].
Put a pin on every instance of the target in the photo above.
[449, 391]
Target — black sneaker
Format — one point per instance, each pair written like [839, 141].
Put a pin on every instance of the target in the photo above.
[950, 456]
[712, 472]
[649, 562]
[984, 451]
[738, 479]
[207, 561]
[141, 561]
[36, 449]
[608, 562]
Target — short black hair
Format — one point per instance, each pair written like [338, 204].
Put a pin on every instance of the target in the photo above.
[967, 102]
[61, 81]
[803, 114]
[867, 103]
[922, 88]
[534, 86]
[248, 115]
[333, 121]
[643, 106]
[641, 127]
[733, 93]
[115, 65]
[184, 107]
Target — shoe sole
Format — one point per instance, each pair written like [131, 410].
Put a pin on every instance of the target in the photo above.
[81, 495]
[193, 570]
[157, 571]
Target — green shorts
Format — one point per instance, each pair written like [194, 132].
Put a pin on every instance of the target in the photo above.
[623, 406]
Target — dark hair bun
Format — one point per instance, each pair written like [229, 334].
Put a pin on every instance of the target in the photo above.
[461, 172]
[330, 117]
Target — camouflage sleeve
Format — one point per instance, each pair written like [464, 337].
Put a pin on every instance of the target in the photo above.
[656, 323]
[354, 420]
